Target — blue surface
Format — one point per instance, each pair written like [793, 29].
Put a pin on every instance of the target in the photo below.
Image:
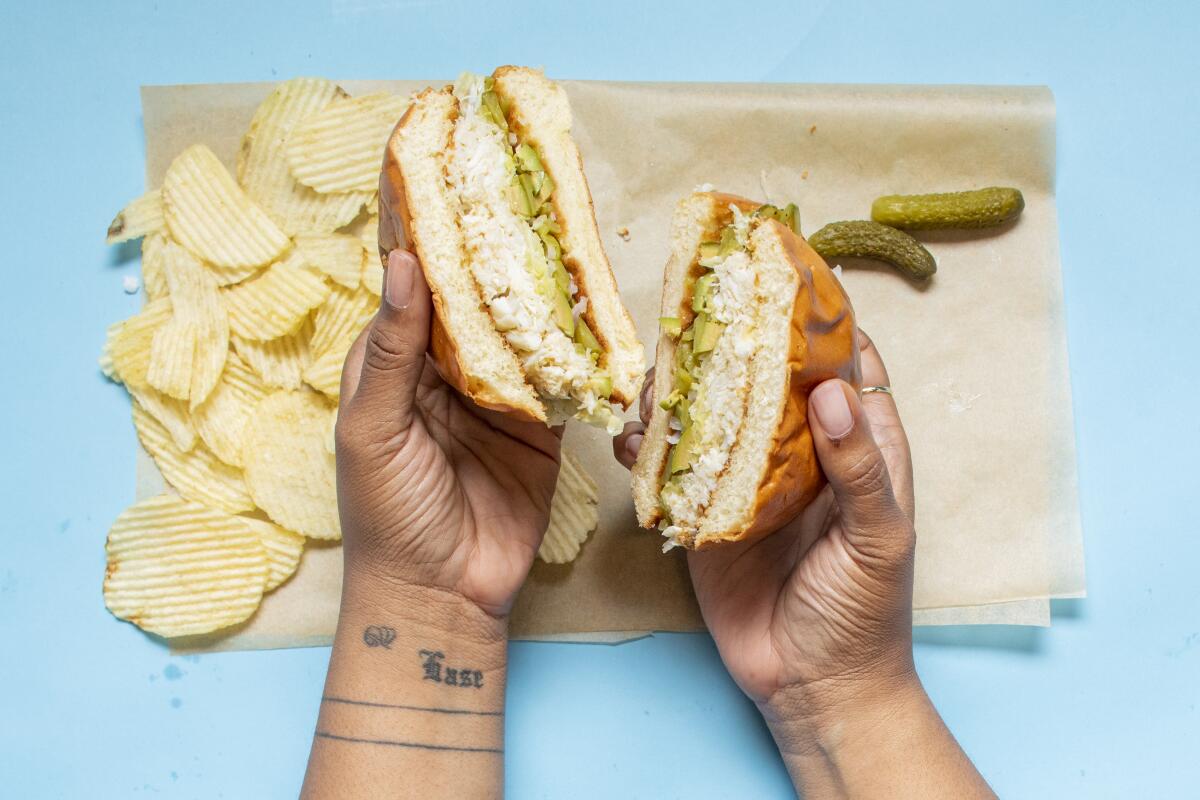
[1101, 705]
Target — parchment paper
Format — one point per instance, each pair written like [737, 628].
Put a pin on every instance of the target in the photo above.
[977, 358]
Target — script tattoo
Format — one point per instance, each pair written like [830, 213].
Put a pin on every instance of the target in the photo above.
[465, 677]
[379, 636]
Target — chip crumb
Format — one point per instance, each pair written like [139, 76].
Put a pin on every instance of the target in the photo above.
[130, 284]
[623, 233]
[804, 175]
[812, 130]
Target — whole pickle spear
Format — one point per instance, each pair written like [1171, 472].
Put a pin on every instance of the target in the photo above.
[980, 208]
[866, 239]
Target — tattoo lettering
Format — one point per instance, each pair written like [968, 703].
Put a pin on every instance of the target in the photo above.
[431, 662]
[379, 636]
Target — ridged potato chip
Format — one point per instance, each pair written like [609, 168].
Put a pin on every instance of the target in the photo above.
[198, 474]
[209, 214]
[372, 279]
[338, 255]
[154, 278]
[172, 414]
[283, 548]
[574, 512]
[276, 302]
[263, 168]
[141, 217]
[127, 348]
[221, 419]
[177, 568]
[344, 313]
[188, 352]
[325, 372]
[338, 149]
[288, 468]
[280, 362]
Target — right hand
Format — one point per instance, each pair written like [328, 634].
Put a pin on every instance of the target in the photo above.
[820, 611]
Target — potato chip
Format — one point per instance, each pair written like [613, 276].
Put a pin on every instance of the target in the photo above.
[210, 215]
[127, 347]
[344, 313]
[289, 471]
[154, 279]
[280, 362]
[198, 475]
[340, 148]
[221, 419]
[325, 372]
[574, 512]
[188, 352]
[283, 548]
[372, 278]
[177, 568]
[141, 217]
[172, 414]
[369, 234]
[338, 255]
[277, 302]
[263, 169]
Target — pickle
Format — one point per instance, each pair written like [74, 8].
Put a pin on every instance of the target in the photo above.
[866, 239]
[981, 208]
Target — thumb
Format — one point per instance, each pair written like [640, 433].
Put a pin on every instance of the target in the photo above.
[393, 354]
[874, 523]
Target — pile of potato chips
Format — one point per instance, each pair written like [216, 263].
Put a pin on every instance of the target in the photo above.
[255, 287]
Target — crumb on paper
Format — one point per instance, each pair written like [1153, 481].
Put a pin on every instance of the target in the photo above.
[804, 175]
[130, 284]
[703, 187]
[623, 233]
[812, 130]
[957, 400]
[762, 184]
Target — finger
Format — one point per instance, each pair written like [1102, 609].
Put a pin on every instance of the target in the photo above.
[873, 520]
[886, 425]
[627, 443]
[646, 401]
[393, 349]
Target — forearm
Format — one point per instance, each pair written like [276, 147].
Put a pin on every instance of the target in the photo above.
[414, 698]
[881, 742]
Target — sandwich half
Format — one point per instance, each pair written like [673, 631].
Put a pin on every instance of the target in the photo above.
[483, 181]
[752, 320]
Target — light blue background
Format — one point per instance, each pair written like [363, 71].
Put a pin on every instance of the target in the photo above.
[1101, 705]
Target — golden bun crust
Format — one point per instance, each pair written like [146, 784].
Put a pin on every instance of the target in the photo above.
[396, 230]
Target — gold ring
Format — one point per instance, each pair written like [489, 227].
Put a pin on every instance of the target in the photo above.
[884, 389]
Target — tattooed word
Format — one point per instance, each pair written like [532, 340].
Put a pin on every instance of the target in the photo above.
[431, 663]
[379, 636]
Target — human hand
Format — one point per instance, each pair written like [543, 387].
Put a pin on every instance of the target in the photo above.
[820, 612]
[434, 492]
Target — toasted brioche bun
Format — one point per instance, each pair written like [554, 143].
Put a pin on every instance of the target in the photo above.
[418, 210]
[772, 471]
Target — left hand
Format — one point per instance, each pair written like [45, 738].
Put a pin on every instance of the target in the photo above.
[433, 491]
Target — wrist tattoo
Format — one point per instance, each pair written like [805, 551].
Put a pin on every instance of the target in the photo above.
[379, 636]
[465, 677]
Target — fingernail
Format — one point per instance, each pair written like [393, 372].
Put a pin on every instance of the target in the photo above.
[832, 410]
[398, 279]
[633, 444]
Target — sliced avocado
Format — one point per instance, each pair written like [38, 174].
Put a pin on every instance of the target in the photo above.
[709, 249]
[561, 276]
[562, 311]
[687, 335]
[683, 380]
[526, 182]
[698, 326]
[684, 450]
[684, 412]
[546, 187]
[729, 242]
[585, 337]
[519, 200]
[673, 399]
[670, 326]
[553, 248]
[706, 339]
[683, 353]
[702, 292]
[528, 159]
[601, 384]
[767, 211]
[492, 104]
[789, 215]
